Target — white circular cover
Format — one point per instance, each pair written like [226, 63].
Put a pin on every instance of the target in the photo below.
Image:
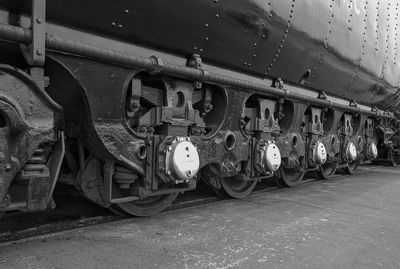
[320, 154]
[184, 160]
[373, 151]
[351, 151]
[272, 157]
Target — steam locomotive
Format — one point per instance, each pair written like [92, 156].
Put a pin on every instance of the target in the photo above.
[134, 102]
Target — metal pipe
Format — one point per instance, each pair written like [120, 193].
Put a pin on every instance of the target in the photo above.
[22, 35]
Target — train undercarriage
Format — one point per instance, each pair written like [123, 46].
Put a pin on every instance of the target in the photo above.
[132, 140]
[130, 133]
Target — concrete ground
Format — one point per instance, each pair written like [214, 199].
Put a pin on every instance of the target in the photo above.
[347, 222]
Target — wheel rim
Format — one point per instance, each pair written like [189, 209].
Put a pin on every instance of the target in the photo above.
[235, 188]
[214, 183]
[327, 171]
[144, 207]
[351, 168]
[227, 187]
[290, 177]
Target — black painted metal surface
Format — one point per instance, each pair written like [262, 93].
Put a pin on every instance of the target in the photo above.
[349, 46]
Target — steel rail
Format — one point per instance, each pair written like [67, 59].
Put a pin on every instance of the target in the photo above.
[56, 43]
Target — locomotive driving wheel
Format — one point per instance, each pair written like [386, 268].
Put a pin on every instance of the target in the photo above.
[233, 188]
[351, 168]
[327, 170]
[228, 187]
[144, 207]
[290, 177]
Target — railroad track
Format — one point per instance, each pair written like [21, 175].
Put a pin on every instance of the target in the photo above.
[69, 215]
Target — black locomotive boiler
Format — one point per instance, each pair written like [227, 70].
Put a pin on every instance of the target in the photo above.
[133, 102]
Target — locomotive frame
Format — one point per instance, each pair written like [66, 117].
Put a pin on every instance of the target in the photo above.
[132, 132]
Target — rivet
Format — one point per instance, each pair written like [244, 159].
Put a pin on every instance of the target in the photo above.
[126, 11]
[39, 20]
[2, 157]
[216, 15]
[39, 52]
[206, 39]
[120, 26]
[113, 24]
[206, 25]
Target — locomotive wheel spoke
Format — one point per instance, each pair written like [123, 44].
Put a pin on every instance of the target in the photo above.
[326, 171]
[351, 168]
[290, 177]
[144, 207]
